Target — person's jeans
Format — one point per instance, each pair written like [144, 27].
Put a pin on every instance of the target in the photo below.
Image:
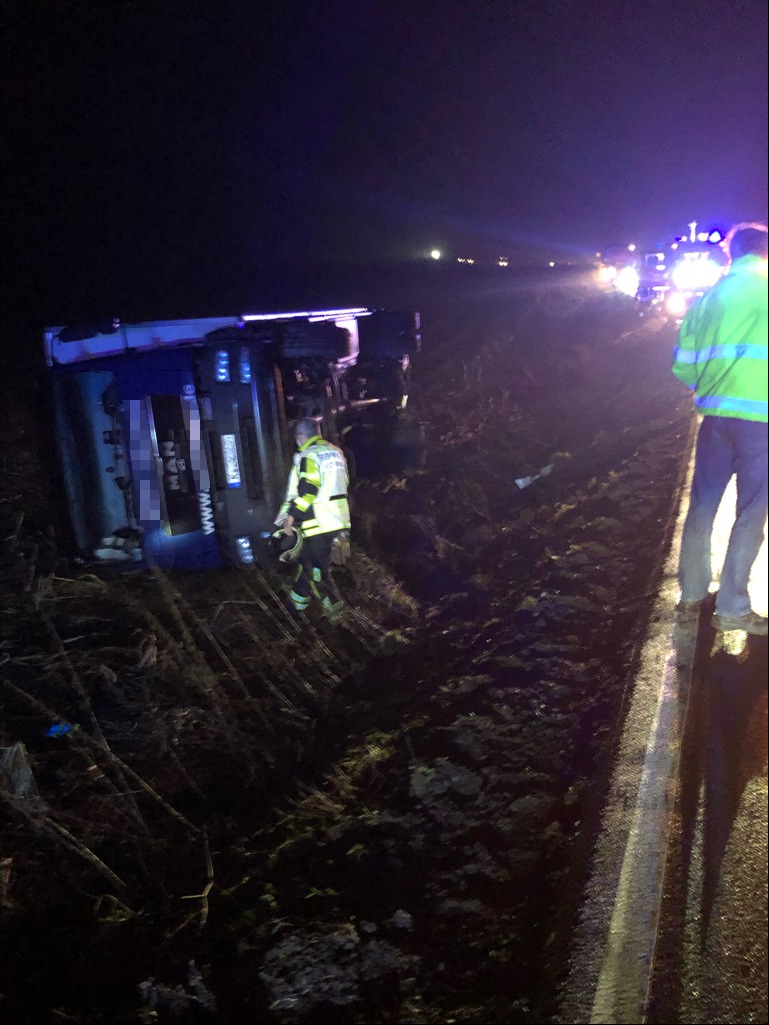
[725, 446]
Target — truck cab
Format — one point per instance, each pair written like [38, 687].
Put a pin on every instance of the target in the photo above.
[173, 437]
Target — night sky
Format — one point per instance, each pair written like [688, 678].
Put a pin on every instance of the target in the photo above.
[179, 149]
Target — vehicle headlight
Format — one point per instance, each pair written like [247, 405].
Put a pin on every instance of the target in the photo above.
[627, 281]
[607, 273]
[677, 304]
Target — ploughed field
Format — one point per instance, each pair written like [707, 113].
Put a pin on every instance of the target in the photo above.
[385, 820]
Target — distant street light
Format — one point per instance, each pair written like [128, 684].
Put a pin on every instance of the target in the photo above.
[631, 247]
[435, 253]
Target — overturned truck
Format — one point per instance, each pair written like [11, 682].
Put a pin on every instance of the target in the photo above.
[174, 438]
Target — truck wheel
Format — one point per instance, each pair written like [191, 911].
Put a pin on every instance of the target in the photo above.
[350, 457]
[409, 446]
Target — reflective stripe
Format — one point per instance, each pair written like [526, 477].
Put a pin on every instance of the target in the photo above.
[327, 510]
[732, 405]
[721, 352]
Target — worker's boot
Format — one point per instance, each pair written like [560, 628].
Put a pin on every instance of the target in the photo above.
[333, 611]
[752, 623]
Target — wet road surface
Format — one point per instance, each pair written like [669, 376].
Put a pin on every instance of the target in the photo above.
[711, 963]
[674, 926]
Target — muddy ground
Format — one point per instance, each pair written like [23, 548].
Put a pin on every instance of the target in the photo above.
[386, 820]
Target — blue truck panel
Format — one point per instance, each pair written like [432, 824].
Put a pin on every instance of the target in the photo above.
[173, 436]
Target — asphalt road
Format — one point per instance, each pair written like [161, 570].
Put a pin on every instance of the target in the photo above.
[674, 925]
[711, 963]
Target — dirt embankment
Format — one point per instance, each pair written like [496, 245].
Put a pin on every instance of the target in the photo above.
[388, 820]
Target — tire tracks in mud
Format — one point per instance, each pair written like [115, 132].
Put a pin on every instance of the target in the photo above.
[425, 861]
[451, 828]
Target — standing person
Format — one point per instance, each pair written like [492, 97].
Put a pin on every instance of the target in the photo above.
[722, 357]
[316, 501]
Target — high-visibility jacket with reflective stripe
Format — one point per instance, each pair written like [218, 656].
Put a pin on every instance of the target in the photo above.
[316, 495]
[722, 345]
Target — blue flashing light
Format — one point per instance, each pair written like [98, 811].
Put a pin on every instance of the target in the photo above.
[245, 551]
[61, 729]
[715, 237]
[222, 368]
[245, 365]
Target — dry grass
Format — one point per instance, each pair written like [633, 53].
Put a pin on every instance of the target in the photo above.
[173, 687]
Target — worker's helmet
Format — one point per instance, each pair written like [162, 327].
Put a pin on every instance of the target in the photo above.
[290, 547]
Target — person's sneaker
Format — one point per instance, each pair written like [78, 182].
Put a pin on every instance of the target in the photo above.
[332, 610]
[752, 623]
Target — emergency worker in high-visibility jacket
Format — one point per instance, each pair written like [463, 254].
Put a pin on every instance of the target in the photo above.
[722, 357]
[316, 500]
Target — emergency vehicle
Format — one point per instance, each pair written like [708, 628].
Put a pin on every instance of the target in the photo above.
[669, 278]
[694, 265]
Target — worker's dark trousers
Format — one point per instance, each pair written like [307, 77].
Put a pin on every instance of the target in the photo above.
[312, 574]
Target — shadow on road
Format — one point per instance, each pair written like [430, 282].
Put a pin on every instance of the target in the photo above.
[724, 748]
[735, 716]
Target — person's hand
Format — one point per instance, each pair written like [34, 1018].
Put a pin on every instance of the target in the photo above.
[288, 526]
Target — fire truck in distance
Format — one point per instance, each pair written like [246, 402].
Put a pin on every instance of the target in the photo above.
[694, 266]
[669, 278]
[174, 437]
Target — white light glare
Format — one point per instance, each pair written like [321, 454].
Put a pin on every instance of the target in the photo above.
[435, 254]
[695, 275]
[552, 263]
[677, 304]
[631, 247]
[627, 281]
[607, 273]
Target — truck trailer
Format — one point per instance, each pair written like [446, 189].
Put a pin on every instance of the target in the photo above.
[173, 437]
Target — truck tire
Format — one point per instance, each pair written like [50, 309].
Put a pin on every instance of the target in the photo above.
[351, 464]
[409, 445]
[391, 334]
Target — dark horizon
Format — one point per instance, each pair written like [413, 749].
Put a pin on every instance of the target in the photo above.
[191, 149]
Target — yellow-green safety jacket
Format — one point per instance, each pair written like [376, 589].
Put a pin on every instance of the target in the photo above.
[316, 495]
[722, 345]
